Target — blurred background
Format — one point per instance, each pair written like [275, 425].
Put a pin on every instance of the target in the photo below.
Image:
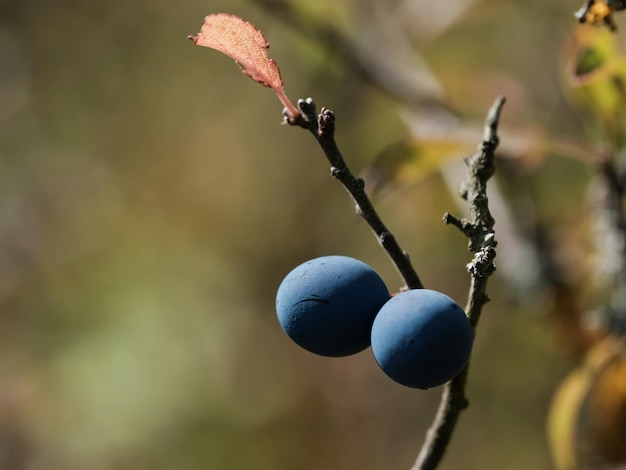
[151, 203]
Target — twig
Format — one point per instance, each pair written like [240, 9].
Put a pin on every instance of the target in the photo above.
[482, 243]
[323, 128]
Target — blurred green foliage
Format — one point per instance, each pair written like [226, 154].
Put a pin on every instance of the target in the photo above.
[151, 204]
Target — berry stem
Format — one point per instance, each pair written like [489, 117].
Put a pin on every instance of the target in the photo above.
[322, 127]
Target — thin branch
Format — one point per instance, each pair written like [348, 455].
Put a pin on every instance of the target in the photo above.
[323, 129]
[482, 243]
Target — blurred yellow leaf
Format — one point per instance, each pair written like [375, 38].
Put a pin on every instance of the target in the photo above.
[409, 160]
[595, 72]
[426, 150]
[563, 416]
[587, 418]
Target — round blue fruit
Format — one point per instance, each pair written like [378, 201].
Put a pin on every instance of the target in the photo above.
[421, 338]
[327, 305]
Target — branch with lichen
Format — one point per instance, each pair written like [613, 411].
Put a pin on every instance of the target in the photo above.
[480, 231]
[322, 127]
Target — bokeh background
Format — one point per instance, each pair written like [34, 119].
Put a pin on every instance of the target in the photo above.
[151, 202]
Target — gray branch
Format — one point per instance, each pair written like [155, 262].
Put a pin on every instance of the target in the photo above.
[479, 229]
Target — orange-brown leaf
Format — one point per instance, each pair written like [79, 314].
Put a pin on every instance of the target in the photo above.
[243, 42]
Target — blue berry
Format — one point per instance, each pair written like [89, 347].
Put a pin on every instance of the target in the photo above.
[421, 338]
[327, 305]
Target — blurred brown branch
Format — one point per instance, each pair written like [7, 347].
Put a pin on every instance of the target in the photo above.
[414, 86]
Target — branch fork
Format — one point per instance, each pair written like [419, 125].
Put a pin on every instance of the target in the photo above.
[479, 229]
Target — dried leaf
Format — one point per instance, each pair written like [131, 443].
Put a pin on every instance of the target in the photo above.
[243, 42]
